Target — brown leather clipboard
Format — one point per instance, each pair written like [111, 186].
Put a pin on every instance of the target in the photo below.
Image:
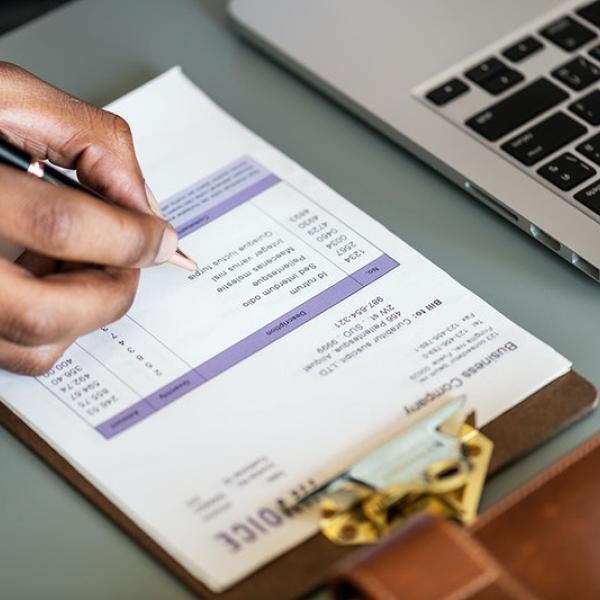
[514, 433]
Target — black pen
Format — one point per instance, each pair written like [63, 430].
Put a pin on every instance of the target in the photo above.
[15, 157]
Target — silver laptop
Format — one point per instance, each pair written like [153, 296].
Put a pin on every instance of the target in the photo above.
[502, 97]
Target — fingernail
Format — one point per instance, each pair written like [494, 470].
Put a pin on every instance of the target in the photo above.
[179, 259]
[168, 246]
[153, 205]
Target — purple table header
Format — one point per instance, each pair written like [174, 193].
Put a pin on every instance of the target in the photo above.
[213, 196]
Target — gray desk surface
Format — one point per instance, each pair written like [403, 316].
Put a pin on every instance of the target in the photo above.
[53, 544]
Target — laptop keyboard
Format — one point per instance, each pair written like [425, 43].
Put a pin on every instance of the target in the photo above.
[505, 116]
[544, 98]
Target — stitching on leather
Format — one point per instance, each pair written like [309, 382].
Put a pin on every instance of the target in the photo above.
[472, 548]
[536, 482]
[492, 570]
[472, 587]
[513, 587]
[505, 583]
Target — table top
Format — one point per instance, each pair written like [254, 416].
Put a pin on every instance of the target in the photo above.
[57, 545]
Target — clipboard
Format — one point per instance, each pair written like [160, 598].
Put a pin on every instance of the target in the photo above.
[305, 567]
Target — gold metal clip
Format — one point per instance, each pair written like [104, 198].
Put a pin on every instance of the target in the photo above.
[438, 467]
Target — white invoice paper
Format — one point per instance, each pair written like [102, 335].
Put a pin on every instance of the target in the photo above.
[307, 337]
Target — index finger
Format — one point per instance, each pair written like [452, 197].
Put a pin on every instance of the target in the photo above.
[48, 123]
[67, 224]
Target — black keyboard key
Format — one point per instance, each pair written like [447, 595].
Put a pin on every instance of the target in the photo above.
[494, 76]
[488, 68]
[588, 108]
[591, 148]
[505, 116]
[595, 52]
[450, 90]
[566, 171]
[543, 139]
[591, 13]
[523, 49]
[590, 197]
[577, 73]
[568, 33]
[502, 81]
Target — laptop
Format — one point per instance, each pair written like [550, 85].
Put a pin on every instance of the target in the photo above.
[501, 97]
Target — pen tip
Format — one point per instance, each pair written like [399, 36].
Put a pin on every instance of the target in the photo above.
[180, 259]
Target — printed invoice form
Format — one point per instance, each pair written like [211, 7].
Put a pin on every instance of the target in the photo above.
[306, 338]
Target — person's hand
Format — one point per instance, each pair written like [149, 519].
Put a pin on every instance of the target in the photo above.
[81, 267]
